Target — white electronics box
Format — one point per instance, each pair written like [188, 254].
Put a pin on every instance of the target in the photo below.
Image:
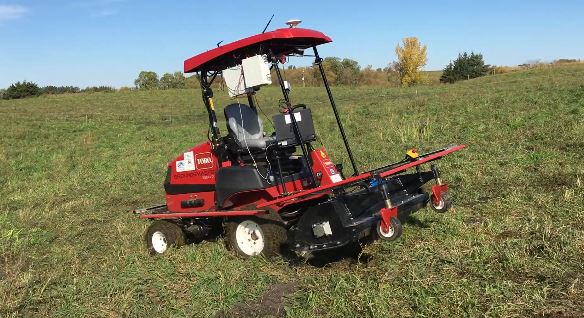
[234, 81]
[252, 73]
[256, 71]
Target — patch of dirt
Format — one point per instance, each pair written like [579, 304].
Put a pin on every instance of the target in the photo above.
[561, 313]
[271, 304]
[89, 222]
[11, 266]
[474, 220]
[552, 181]
[508, 234]
[478, 201]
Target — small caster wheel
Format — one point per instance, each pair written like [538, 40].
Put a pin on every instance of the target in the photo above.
[161, 235]
[443, 205]
[390, 233]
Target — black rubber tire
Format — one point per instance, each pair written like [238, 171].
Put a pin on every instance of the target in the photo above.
[396, 226]
[173, 233]
[272, 229]
[446, 203]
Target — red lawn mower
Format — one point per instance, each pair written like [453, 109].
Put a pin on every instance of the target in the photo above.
[269, 193]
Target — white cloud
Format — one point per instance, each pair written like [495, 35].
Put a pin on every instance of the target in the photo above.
[11, 12]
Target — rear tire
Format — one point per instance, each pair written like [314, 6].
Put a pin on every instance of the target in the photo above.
[444, 205]
[161, 235]
[252, 236]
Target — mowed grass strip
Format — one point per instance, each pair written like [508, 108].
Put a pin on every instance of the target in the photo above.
[73, 166]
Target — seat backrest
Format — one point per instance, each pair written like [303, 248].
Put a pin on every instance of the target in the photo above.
[243, 122]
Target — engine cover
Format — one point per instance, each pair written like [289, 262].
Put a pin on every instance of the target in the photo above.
[191, 178]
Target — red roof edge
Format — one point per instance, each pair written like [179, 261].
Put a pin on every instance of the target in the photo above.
[280, 41]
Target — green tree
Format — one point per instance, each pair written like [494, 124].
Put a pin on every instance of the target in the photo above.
[147, 80]
[176, 80]
[350, 72]
[21, 90]
[193, 81]
[331, 65]
[466, 66]
[411, 57]
[180, 81]
[166, 81]
[340, 71]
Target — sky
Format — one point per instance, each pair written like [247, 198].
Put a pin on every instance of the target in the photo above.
[108, 42]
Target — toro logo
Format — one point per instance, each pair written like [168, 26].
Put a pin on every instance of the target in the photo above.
[204, 160]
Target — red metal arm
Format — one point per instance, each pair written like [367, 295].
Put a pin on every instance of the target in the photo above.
[363, 176]
[201, 214]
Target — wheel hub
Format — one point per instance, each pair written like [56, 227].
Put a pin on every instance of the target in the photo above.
[250, 238]
[159, 243]
[386, 231]
[440, 205]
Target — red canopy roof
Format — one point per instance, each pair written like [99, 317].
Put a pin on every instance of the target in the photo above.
[280, 41]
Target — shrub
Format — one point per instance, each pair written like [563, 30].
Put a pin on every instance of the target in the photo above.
[466, 66]
[371, 77]
[295, 75]
[566, 61]
[505, 69]
[51, 90]
[22, 90]
[392, 74]
[95, 89]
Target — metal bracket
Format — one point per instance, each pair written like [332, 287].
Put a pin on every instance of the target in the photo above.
[386, 215]
[437, 191]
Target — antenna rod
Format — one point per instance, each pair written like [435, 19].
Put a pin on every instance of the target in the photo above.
[268, 24]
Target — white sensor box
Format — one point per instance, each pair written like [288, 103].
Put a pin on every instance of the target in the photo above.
[253, 72]
[234, 81]
[256, 71]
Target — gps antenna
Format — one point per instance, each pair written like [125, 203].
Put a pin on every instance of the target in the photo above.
[268, 24]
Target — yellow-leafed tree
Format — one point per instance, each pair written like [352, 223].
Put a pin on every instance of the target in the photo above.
[411, 58]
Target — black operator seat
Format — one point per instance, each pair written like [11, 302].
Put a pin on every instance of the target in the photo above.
[246, 127]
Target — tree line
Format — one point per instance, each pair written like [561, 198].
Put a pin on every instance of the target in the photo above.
[29, 89]
[405, 71]
[150, 80]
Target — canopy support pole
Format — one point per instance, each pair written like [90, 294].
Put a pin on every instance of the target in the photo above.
[207, 94]
[318, 61]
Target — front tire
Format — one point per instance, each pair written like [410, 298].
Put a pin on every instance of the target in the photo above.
[392, 233]
[252, 236]
[161, 235]
[444, 205]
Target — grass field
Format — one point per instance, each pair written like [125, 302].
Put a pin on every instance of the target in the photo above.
[73, 166]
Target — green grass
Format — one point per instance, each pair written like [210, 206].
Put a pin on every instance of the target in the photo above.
[73, 166]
